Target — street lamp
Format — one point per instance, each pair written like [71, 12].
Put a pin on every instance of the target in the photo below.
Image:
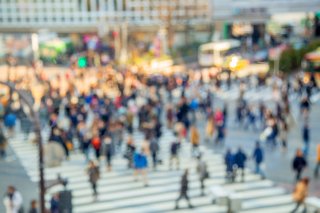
[37, 130]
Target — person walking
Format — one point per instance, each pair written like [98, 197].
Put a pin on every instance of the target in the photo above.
[154, 148]
[3, 145]
[316, 170]
[306, 139]
[202, 170]
[55, 203]
[283, 134]
[299, 164]
[229, 161]
[240, 160]
[300, 193]
[258, 156]
[12, 200]
[195, 140]
[140, 162]
[209, 128]
[130, 149]
[94, 175]
[33, 207]
[174, 152]
[109, 150]
[96, 144]
[184, 187]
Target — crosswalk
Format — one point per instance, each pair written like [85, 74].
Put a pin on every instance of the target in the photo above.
[254, 94]
[119, 192]
[261, 94]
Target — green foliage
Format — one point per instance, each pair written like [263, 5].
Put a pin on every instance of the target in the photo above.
[290, 59]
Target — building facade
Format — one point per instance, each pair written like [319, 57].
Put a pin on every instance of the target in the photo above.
[92, 15]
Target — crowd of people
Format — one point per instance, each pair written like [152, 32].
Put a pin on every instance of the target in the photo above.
[93, 109]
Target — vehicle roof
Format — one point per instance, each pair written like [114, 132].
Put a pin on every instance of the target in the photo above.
[221, 45]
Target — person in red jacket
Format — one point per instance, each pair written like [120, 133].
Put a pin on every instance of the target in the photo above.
[96, 144]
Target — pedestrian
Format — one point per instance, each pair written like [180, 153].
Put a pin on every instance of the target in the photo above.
[109, 150]
[154, 148]
[33, 207]
[13, 200]
[184, 187]
[299, 164]
[130, 149]
[300, 193]
[229, 162]
[3, 145]
[283, 134]
[240, 160]
[306, 139]
[96, 144]
[195, 140]
[209, 128]
[94, 175]
[10, 122]
[170, 116]
[174, 152]
[305, 105]
[140, 162]
[86, 142]
[258, 156]
[262, 110]
[203, 172]
[55, 204]
[316, 170]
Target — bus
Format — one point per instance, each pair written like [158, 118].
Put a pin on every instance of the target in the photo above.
[214, 53]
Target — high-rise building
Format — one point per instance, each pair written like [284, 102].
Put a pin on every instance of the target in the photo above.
[90, 15]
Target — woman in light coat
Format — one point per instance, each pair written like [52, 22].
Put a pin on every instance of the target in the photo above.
[300, 193]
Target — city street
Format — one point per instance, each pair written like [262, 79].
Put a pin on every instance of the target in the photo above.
[277, 166]
[159, 106]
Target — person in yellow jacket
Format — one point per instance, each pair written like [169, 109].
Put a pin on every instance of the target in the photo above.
[209, 128]
[194, 138]
[300, 193]
[316, 170]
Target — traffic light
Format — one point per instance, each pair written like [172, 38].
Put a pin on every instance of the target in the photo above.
[82, 62]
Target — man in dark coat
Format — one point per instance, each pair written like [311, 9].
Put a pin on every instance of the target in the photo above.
[184, 189]
[299, 163]
[229, 161]
[258, 158]
[240, 160]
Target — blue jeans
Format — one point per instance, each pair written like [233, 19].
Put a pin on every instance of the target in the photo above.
[258, 170]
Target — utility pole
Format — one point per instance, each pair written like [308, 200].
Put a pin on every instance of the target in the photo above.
[37, 130]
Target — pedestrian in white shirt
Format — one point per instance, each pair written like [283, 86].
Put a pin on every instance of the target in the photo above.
[12, 200]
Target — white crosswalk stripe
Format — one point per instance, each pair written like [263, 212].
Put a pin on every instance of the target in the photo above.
[118, 192]
[252, 94]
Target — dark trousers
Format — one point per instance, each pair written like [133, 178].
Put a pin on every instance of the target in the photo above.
[297, 207]
[185, 196]
[97, 152]
[202, 185]
[316, 170]
[2, 153]
[154, 159]
[298, 176]
[108, 159]
[94, 188]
